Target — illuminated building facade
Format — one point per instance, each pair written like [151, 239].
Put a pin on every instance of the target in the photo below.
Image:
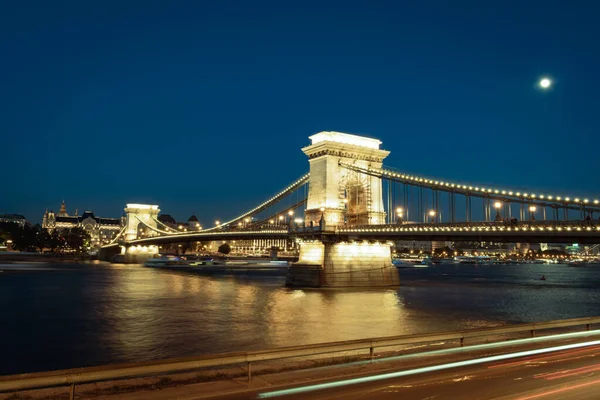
[14, 219]
[102, 230]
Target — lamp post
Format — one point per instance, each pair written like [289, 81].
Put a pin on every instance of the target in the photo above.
[217, 223]
[399, 213]
[532, 212]
[297, 223]
[498, 206]
[280, 219]
[432, 215]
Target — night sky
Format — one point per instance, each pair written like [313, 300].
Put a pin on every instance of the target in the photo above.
[203, 107]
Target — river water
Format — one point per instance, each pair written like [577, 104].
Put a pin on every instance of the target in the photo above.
[68, 315]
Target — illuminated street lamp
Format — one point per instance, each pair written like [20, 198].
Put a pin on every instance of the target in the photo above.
[432, 215]
[272, 221]
[280, 219]
[399, 213]
[498, 206]
[532, 212]
[217, 223]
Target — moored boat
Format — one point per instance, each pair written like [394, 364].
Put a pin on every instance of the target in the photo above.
[411, 262]
[165, 261]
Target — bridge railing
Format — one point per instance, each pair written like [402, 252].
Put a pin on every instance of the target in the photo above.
[77, 376]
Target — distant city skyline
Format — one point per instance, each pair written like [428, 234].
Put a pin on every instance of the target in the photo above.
[203, 108]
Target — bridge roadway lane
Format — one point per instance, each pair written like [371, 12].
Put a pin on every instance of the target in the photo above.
[564, 375]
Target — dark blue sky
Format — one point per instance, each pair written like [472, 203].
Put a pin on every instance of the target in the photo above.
[203, 106]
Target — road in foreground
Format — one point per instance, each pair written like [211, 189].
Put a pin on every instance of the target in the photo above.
[567, 374]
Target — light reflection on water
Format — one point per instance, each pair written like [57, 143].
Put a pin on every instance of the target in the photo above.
[80, 315]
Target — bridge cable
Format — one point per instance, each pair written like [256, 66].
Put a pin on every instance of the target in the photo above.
[278, 197]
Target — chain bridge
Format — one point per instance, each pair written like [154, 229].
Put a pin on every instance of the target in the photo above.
[346, 212]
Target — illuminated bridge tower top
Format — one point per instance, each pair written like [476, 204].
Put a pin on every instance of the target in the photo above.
[338, 195]
[136, 214]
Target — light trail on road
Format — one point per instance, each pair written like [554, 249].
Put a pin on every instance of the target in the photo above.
[543, 359]
[373, 378]
[486, 346]
[561, 390]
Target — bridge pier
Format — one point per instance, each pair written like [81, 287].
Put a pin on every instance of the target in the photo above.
[138, 254]
[324, 263]
[107, 253]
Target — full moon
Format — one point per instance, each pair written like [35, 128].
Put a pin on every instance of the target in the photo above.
[545, 83]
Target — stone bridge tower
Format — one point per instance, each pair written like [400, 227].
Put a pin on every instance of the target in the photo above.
[136, 213]
[339, 195]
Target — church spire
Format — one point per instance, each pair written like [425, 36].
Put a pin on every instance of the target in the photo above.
[63, 210]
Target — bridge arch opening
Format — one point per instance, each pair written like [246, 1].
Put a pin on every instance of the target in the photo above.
[357, 198]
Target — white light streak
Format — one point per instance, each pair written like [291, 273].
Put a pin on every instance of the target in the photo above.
[398, 374]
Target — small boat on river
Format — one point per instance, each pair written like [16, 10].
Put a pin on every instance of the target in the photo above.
[166, 261]
[411, 262]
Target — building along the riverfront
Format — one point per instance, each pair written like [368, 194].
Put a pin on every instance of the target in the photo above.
[14, 219]
[101, 230]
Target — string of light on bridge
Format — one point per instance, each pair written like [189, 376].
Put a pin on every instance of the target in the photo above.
[199, 234]
[473, 228]
[301, 181]
[484, 190]
[417, 180]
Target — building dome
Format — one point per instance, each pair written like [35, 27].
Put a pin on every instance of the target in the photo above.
[193, 218]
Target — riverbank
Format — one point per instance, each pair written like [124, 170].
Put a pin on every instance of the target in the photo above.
[9, 256]
[228, 380]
